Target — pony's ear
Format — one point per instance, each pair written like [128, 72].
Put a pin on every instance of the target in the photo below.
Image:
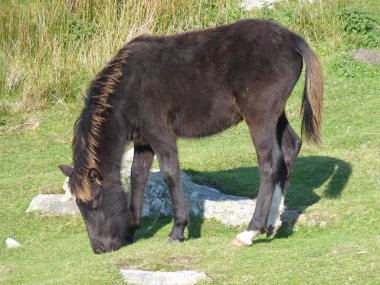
[67, 170]
[94, 175]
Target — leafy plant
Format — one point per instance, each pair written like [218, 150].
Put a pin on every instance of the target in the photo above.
[360, 28]
[79, 29]
[356, 21]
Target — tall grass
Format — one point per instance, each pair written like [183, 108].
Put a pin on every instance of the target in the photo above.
[50, 50]
[319, 21]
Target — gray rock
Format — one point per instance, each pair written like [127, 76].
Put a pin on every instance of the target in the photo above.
[201, 201]
[366, 56]
[162, 278]
[53, 204]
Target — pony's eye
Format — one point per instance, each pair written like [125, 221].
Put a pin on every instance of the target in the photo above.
[92, 207]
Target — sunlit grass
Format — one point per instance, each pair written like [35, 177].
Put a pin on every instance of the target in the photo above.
[49, 52]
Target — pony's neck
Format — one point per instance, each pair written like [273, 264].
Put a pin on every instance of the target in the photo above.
[111, 147]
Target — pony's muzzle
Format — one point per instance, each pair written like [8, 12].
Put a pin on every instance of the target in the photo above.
[99, 248]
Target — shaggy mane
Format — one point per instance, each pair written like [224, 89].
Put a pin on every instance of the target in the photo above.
[88, 126]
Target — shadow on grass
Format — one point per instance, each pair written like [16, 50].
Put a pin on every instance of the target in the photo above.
[327, 174]
[152, 225]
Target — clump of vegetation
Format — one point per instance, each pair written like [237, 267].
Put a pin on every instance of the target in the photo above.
[361, 28]
[318, 21]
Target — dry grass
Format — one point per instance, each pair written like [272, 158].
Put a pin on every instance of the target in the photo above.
[50, 50]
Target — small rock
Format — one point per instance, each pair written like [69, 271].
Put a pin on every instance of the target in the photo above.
[11, 243]
[323, 224]
[162, 278]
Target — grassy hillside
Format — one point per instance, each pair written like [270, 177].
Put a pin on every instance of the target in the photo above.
[49, 51]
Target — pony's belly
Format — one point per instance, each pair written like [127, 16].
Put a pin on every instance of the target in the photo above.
[203, 125]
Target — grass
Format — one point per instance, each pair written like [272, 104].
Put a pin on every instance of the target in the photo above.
[337, 184]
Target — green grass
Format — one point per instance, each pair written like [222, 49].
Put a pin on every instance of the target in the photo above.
[337, 184]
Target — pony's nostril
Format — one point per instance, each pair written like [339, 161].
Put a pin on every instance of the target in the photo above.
[98, 250]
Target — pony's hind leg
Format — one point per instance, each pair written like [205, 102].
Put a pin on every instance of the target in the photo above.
[142, 161]
[271, 160]
[290, 144]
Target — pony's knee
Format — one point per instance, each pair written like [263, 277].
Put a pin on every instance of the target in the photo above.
[170, 175]
[291, 153]
[297, 145]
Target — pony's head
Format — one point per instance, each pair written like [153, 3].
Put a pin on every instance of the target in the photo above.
[103, 206]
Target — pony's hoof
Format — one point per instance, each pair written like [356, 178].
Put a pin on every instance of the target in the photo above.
[272, 230]
[245, 238]
[238, 242]
[173, 241]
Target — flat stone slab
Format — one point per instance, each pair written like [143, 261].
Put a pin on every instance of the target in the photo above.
[162, 278]
[53, 204]
[201, 201]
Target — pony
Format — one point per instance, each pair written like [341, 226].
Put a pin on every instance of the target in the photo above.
[157, 89]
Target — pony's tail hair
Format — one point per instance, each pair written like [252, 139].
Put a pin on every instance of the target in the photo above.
[312, 100]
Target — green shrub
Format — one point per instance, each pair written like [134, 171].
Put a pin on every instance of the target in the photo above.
[360, 28]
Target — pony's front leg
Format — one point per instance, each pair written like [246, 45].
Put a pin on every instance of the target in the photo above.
[169, 166]
[142, 162]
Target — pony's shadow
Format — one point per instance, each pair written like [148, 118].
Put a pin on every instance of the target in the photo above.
[327, 174]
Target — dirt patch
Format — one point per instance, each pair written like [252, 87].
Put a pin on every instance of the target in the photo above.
[366, 56]
[168, 263]
[5, 271]
[182, 262]
[31, 124]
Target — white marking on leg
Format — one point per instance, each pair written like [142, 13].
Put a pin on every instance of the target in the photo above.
[247, 236]
[276, 209]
